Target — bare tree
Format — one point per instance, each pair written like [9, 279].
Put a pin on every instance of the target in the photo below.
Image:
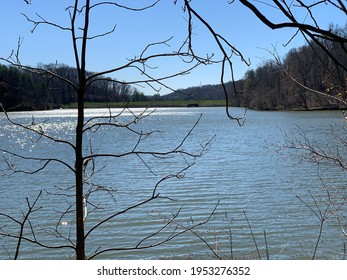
[325, 41]
[329, 46]
[327, 201]
[84, 165]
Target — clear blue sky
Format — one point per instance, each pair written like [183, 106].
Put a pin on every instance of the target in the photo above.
[134, 31]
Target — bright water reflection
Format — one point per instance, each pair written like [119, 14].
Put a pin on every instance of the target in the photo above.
[239, 170]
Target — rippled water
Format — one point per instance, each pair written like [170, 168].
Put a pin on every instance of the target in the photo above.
[255, 186]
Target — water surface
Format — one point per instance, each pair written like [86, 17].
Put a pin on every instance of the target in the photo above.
[241, 171]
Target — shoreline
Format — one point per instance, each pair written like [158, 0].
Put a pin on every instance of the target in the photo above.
[161, 104]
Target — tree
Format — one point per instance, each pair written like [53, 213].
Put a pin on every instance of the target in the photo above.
[328, 43]
[327, 202]
[326, 46]
[83, 167]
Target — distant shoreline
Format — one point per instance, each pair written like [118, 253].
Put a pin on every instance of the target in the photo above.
[178, 103]
[159, 104]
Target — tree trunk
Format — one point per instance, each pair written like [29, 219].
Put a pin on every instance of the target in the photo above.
[80, 247]
[80, 244]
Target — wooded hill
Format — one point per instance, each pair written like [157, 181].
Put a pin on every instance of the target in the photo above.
[28, 90]
[276, 85]
[287, 83]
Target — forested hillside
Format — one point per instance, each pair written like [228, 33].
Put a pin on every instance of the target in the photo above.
[287, 83]
[26, 90]
[293, 82]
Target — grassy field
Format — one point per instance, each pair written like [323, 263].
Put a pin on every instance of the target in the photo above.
[152, 104]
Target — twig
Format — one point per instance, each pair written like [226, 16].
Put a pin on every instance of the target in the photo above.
[252, 234]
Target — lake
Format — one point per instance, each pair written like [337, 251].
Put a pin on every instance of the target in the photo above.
[266, 199]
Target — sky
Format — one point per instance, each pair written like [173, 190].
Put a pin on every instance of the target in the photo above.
[135, 30]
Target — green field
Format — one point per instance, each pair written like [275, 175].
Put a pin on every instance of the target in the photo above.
[153, 104]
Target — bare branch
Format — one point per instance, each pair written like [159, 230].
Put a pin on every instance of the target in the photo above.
[176, 150]
[42, 161]
[223, 44]
[93, 124]
[178, 230]
[125, 7]
[252, 234]
[99, 35]
[37, 71]
[309, 31]
[139, 63]
[312, 152]
[136, 205]
[36, 23]
[39, 131]
[20, 236]
[306, 28]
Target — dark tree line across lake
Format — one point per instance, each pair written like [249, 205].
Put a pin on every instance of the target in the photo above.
[294, 82]
[275, 85]
[27, 90]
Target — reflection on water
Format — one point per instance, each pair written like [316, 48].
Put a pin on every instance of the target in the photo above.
[253, 184]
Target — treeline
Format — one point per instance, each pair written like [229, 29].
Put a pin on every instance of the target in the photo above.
[275, 85]
[207, 92]
[286, 84]
[32, 90]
